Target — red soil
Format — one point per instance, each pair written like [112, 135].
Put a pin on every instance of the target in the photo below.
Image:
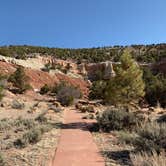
[38, 78]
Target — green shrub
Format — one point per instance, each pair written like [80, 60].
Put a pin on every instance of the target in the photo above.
[19, 80]
[27, 123]
[45, 89]
[47, 67]
[151, 137]
[155, 88]
[126, 137]
[97, 90]
[5, 124]
[33, 136]
[127, 87]
[117, 119]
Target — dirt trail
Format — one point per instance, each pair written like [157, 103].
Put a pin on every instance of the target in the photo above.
[76, 146]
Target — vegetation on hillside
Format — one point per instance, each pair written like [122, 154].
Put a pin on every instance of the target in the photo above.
[1, 87]
[19, 80]
[126, 88]
[141, 53]
[155, 88]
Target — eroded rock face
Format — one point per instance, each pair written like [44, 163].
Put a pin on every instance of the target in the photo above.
[109, 71]
[103, 70]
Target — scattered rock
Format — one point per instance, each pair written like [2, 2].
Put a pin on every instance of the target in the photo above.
[17, 105]
[57, 104]
[151, 109]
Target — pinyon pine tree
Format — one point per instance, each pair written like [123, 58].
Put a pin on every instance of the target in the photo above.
[127, 87]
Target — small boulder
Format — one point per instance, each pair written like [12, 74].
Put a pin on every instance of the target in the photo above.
[17, 105]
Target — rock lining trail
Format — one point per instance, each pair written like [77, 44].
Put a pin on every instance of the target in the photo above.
[76, 146]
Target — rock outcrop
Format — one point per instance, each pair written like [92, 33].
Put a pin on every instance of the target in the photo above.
[104, 70]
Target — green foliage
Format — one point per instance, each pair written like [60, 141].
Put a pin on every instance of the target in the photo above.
[117, 119]
[45, 89]
[126, 137]
[19, 80]
[27, 123]
[5, 124]
[67, 93]
[142, 53]
[155, 88]
[127, 86]
[33, 136]
[47, 67]
[97, 90]
[151, 137]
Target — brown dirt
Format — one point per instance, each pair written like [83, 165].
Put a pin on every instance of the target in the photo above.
[115, 154]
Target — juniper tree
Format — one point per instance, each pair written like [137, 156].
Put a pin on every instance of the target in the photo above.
[127, 86]
[19, 80]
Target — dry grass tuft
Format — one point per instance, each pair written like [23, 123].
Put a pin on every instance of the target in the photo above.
[145, 159]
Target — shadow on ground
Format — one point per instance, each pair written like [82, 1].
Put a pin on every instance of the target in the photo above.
[56, 125]
[120, 157]
[75, 125]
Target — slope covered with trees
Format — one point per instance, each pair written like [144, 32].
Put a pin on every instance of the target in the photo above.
[141, 53]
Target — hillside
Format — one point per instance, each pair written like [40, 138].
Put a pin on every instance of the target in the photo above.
[41, 88]
[142, 53]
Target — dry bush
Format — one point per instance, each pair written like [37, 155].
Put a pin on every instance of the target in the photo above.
[126, 137]
[32, 136]
[145, 159]
[151, 137]
[117, 119]
[67, 93]
[17, 105]
[45, 89]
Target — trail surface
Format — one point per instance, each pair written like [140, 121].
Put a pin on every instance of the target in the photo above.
[76, 146]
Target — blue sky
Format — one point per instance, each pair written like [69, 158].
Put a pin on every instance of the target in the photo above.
[82, 23]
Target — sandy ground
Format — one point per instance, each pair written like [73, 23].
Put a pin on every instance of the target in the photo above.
[40, 153]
